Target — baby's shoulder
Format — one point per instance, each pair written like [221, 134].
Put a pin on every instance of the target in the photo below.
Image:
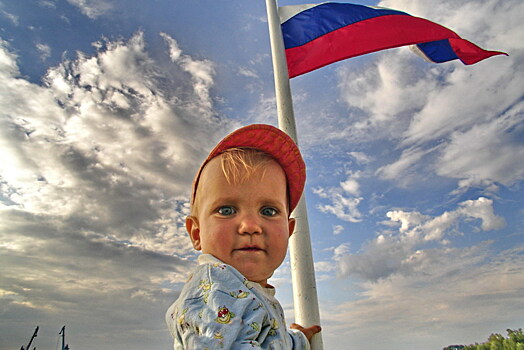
[218, 276]
[217, 283]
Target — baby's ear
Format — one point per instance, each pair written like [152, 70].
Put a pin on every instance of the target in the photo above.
[193, 229]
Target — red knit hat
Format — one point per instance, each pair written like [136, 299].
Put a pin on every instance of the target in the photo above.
[272, 141]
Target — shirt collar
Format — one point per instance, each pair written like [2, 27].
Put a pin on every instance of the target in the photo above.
[210, 259]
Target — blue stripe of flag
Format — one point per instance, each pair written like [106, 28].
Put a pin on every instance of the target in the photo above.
[438, 51]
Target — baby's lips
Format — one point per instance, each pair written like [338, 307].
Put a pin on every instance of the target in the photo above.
[251, 248]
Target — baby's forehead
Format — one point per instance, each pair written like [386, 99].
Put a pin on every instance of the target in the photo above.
[238, 171]
[216, 184]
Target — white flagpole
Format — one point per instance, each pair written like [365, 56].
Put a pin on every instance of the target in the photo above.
[301, 255]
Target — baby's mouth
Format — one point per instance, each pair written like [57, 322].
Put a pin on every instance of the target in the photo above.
[250, 248]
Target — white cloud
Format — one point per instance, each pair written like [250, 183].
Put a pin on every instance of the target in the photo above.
[13, 18]
[92, 8]
[96, 168]
[264, 110]
[361, 157]
[8, 63]
[247, 72]
[454, 297]
[467, 99]
[338, 229]
[418, 290]
[406, 168]
[351, 186]
[45, 51]
[99, 135]
[377, 91]
[340, 251]
[405, 252]
[492, 152]
[202, 72]
[343, 201]
[47, 3]
[453, 120]
[407, 219]
[324, 266]
[482, 209]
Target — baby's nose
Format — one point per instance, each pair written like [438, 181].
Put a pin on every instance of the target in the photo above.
[250, 224]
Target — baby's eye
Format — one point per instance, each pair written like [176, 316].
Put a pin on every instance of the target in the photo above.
[226, 210]
[268, 211]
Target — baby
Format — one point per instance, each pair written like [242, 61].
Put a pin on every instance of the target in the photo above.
[242, 198]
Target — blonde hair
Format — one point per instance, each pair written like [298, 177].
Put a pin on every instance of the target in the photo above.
[238, 165]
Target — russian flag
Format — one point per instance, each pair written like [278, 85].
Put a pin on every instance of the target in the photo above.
[316, 35]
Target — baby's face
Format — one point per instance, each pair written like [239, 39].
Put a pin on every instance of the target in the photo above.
[246, 224]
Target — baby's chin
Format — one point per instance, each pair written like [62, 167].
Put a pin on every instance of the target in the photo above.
[253, 275]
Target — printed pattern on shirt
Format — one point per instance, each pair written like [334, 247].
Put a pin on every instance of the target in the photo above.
[220, 309]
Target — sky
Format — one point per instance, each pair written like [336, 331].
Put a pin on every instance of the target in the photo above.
[415, 170]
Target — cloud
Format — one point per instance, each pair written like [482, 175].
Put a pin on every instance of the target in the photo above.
[45, 51]
[458, 295]
[202, 72]
[338, 229]
[409, 250]
[96, 167]
[247, 72]
[14, 19]
[344, 200]
[492, 152]
[47, 3]
[433, 115]
[418, 284]
[92, 8]
[361, 157]
[406, 168]
[387, 96]
[487, 93]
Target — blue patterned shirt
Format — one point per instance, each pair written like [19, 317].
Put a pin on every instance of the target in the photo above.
[219, 308]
